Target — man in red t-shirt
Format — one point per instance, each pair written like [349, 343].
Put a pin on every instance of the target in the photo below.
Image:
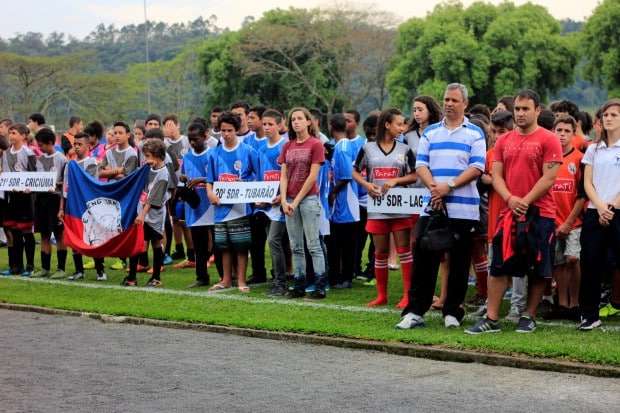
[569, 196]
[524, 170]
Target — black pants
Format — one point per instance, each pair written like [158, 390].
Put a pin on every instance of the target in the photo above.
[596, 241]
[359, 241]
[200, 236]
[259, 226]
[340, 252]
[424, 275]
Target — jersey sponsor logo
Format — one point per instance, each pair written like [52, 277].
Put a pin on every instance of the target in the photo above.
[271, 176]
[572, 168]
[101, 220]
[564, 185]
[228, 177]
[238, 165]
[385, 173]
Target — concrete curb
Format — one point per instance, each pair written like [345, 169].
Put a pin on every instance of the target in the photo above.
[402, 349]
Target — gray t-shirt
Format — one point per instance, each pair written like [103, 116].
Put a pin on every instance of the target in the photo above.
[156, 194]
[55, 162]
[381, 167]
[21, 160]
[89, 164]
[126, 158]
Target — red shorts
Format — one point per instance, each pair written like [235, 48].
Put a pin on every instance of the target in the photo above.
[385, 226]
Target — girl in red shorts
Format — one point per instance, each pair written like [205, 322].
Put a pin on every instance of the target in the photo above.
[388, 163]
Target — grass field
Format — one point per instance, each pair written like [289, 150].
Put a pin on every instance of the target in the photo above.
[343, 313]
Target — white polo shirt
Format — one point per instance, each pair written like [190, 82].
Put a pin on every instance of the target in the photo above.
[605, 164]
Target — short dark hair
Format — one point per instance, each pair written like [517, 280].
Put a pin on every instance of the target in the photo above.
[81, 135]
[230, 118]
[171, 117]
[530, 95]
[355, 113]
[154, 133]
[217, 109]
[370, 125]
[566, 119]
[203, 121]
[316, 113]
[95, 128]
[6, 121]
[337, 123]
[259, 110]
[122, 125]
[585, 120]
[546, 119]
[45, 136]
[197, 128]
[480, 109]
[155, 147]
[241, 104]
[20, 128]
[502, 119]
[73, 120]
[37, 118]
[153, 116]
[272, 113]
[565, 106]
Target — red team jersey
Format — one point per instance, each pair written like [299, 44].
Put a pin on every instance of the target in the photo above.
[567, 187]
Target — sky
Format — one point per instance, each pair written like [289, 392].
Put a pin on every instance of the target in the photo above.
[79, 17]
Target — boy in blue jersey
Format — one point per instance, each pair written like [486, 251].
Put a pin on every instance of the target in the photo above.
[198, 218]
[244, 134]
[269, 170]
[343, 200]
[231, 161]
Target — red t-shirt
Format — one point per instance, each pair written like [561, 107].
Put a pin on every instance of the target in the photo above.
[298, 158]
[567, 186]
[579, 143]
[496, 203]
[523, 157]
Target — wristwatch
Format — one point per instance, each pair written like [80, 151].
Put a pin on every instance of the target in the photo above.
[451, 185]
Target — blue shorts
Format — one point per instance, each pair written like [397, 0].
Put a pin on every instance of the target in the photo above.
[233, 235]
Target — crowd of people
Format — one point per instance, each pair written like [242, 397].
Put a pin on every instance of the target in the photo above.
[527, 195]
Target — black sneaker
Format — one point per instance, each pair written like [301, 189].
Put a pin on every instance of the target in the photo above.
[587, 325]
[343, 285]
[198, 284]
[129, 283]
[484, 326]
[277, 291]
[295, 293]
[317, 294]
[526, 325]
[253, 280]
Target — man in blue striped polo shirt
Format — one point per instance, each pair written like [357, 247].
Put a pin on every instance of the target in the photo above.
[451, 157]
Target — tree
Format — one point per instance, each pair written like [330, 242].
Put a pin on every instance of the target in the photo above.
[601, 46]
[494, 50]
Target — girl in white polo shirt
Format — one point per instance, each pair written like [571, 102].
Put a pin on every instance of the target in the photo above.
[601, 224]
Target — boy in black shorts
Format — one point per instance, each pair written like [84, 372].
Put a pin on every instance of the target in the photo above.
[152, 211]
[47, 205]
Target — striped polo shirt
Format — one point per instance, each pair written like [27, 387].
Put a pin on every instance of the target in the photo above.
[447, 153]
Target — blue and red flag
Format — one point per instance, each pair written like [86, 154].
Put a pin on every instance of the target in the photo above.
[99, 216]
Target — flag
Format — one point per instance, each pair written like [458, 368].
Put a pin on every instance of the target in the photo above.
[99, 216]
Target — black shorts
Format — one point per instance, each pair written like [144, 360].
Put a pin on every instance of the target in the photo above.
[46, 207]
[150, 234]
[18, 214]
[544, 236]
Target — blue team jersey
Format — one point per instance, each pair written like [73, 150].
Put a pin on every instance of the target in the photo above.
[269, 170]
[357, 144]
[196, 166]
[255, 142]
[237, 164]
[324, 183]
[346, 207]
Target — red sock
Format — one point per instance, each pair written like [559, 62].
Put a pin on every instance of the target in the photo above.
[406, 263]
[381, 275]
[481, 267]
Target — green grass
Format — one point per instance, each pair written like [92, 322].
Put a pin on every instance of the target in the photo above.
[562, 342]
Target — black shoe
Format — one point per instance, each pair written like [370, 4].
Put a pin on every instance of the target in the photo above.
[526, 325]
[277, 291]
[317, 294]
[484, 326]
[343, 285]
[295, 293]
[178, 255]
[129, 283]
[558, 313]
[253, 280]
[198, 284]
[545, 307]
[587, 325]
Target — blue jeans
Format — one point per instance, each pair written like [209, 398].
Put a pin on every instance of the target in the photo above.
[305, 222]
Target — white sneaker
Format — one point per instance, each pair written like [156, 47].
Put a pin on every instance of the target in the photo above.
[410, 320]
[76, 276]
[450, 321]
[102, 277]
